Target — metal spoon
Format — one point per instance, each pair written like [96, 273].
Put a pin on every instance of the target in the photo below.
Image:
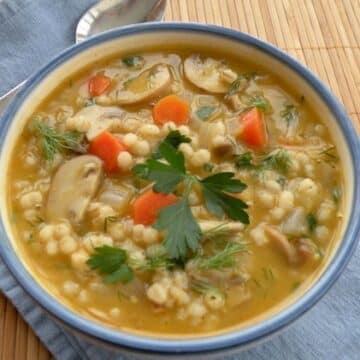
[106, 15]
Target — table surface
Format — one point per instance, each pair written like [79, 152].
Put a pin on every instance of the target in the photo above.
[326, 38]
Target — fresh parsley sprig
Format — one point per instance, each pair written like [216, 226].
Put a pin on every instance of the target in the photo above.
[174, 139]
[111, 263]
[183, 231]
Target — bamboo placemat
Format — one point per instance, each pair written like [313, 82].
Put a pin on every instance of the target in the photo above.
[322, 34]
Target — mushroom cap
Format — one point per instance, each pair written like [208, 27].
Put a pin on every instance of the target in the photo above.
[72, 188]
[150, 83]
[206, 74]
[100, 118]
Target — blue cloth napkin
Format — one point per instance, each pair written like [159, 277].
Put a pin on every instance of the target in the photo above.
[33, 31]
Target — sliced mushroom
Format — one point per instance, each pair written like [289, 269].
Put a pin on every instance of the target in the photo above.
[281, 241]
[100, 117]
[150, 83]
[72, 187]
[207, 74]
[223, 147]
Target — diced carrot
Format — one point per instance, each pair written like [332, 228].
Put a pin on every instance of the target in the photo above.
[171, 108]
[98, 84]
[147, 205]
[252, 129]
[107, 147]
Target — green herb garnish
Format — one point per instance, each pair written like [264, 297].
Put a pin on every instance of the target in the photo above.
[183, 232]
[244, 160]
[259, 102]
[215, 189]
[238, 84]
[111, 262]
[336, 195]
[54, 142]
[203, 287]
[329, 153]
[223, 259]
[311, 222]
[208, 167]
[134, 61]
[278, 160]
[174, 139]
[289, 114]
[205, 112]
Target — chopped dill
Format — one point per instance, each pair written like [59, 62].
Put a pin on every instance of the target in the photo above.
[289, 114]
[54, 142]
[336, 195]
[311, 222]
[238, 84]
[329, 153]
[244, 160]
[278, 160]
[203, 287]
[223, 259]
[259, 102]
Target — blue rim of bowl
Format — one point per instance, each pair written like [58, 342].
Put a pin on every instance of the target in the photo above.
[236, 337]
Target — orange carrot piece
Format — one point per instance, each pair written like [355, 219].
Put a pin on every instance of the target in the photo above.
[252, 129]
[98, 84]
[107, 147]
[146, 207]
[171, 108]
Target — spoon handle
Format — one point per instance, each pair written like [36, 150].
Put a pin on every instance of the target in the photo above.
[6, 98]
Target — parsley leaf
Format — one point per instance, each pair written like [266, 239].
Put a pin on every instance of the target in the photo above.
[110, 262]
[174, 138]
[205, 112]
[218, 202]
[183, 232]
[166, 176]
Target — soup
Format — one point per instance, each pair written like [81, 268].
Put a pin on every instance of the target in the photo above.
[174, 193]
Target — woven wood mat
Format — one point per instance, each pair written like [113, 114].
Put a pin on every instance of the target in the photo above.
[322, 34]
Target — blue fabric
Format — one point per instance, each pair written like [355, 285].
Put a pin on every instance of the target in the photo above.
[33, 31]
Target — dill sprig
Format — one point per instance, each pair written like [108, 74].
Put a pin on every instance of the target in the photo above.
[54, 142]
[154, 263]
[240, 82]
[259, 102]
[278, 160]
[223, 259]
[329, 153]
[289, 114]
[203, 287]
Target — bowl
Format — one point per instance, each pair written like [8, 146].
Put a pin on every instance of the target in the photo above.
[216, 39]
